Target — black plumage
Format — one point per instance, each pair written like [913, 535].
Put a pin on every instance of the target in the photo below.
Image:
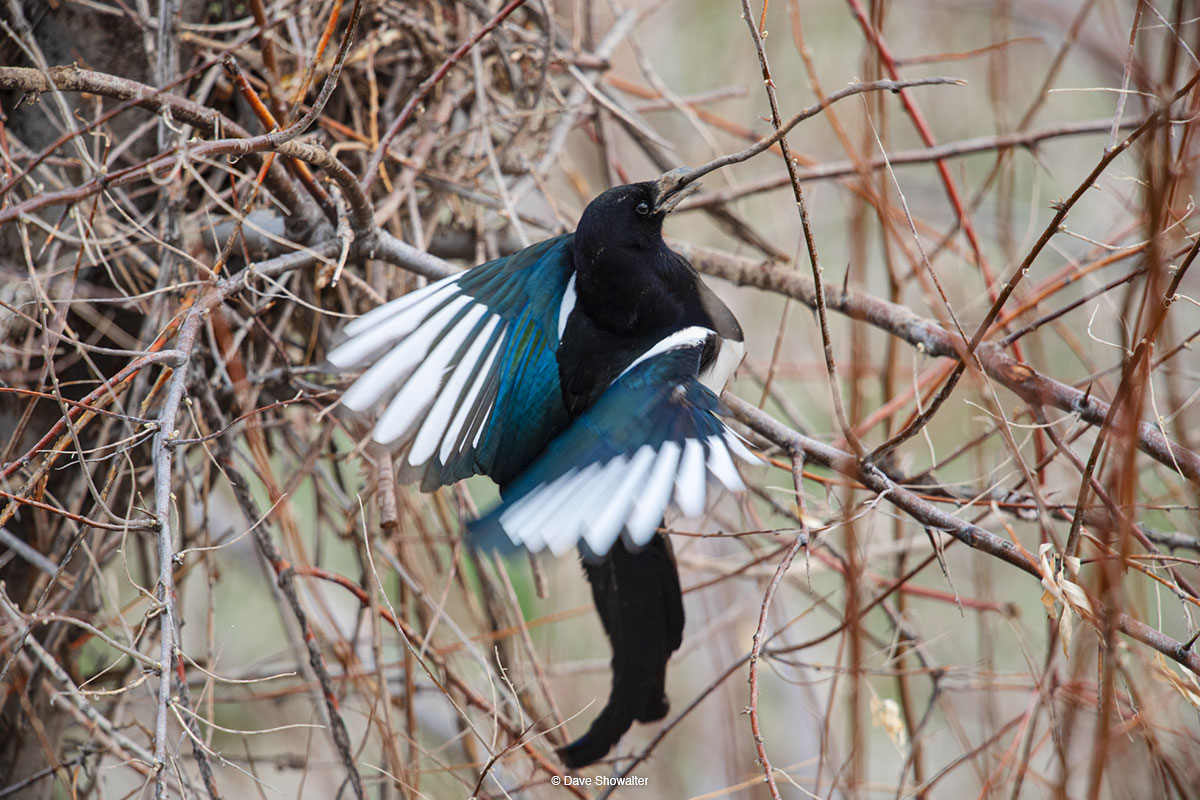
[573, 373]
[638, 598]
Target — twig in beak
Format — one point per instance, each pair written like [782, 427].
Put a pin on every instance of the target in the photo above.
[672, 187]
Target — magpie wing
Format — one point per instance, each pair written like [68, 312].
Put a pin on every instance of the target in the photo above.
[462, 373]
[653, 436]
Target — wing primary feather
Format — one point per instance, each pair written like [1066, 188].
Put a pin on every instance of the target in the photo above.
[393, 307]
[690, 479]
[437, 422]
[652, 501]
[487, 412]
[421, 388]
[601, 531]
[397, 364]
[545, 502]
[372, 339]
[738, 449]
[477, 418]
[451, 439]
[589, 502]
[721, 464]
[525, 521]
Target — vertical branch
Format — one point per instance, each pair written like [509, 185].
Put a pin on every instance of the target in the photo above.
[800, 540]
[1133, 365]
[167, 65]
[285, 575]
[165, 588]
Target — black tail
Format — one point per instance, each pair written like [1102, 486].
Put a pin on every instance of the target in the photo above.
[638, 598]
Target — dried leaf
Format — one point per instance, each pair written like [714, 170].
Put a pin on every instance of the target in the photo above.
[886, 714]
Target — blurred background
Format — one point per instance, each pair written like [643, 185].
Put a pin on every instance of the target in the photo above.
[153, 279]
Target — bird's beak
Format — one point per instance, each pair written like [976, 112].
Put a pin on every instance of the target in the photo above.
[670, 189]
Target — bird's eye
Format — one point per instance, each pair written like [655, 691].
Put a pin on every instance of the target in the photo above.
[643, 209]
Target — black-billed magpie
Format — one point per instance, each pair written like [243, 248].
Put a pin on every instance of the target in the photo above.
[581, 374]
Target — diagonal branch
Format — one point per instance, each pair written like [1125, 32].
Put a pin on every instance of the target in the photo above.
[928, 515]
[933, 340]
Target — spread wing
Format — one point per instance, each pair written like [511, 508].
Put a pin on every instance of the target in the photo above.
[652, 437]
[462, 373]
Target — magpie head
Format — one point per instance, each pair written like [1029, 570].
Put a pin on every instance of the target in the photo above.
[631, 216]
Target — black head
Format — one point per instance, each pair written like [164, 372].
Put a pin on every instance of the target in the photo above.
[630, 217]
[627, 281]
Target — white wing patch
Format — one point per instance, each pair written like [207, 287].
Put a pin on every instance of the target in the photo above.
[381, 313]
[566, 307]
[598, 529]
[398, 364]
[689, 480]
[437, 422]
[721, 465]
[652, 500]
[422, 386]
[626, 495]
[388, 328]
[429, 354]
[687, 337]
[528, 512]
[729, 357]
